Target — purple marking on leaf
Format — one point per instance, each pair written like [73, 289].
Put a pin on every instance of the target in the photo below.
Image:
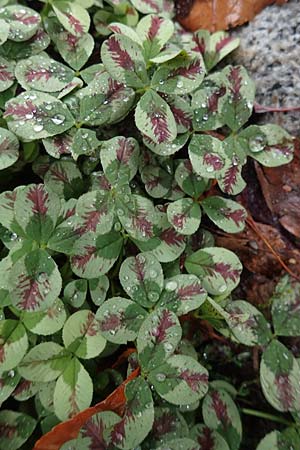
[29, 291]
[186, 292]
[80, 261]
[159, 122]
[193, 379]
[238, 216]
[227, 271]
[72, 42]
[90, 327]
[113, 28]
[223, 42]
[206, 439]
[188, 165]
[181, 117]
[2, 353]
[153, 183]
[37, 75]
[74, 408]
[69, 213]
[141, 222]
[25, 19]
[113, 90]
[5, 74]
[213, 100]
[285, 390]
[39, 198]
[120, 56]
[139, 268]
[22, 387]
[230, 179]
[74, 23]
[118, 433]
[94, 429]
[11, 197]
[59, 174]
[152, 3]
[282, 149]
[53, 312]
[20, 110]
[8, 431]
[200, 44]
[5, 146]
[124, 151]
[165, 322]
[112, 321]
[166, 423]
[190, 72]
[104, 183]
[237, 318]
[62, 143]
[220, 409]
[171, 237]
[213, 160]
[235, 79]
[154, 27]
[179, 220]
[91, 220]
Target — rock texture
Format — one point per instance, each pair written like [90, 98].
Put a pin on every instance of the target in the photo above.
[270, 50]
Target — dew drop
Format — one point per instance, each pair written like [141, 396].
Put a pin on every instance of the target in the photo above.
[58, 119]
[171, 286]
[38, 127]
[160, 377]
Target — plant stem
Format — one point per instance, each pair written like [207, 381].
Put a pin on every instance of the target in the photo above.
[264, 415]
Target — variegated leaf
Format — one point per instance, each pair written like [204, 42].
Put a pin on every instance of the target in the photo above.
[42, 73]
[168, 424]
[25, 390]
[142, 278]
[154, 118]
[13, 344]
[44, 362]
[154, 32]
[73, 17]
[231, 181]
[286, 440]
[75, 293]
[182, 112]
[158, 337]
[94, 212]
[125, 29]
[157, 181]
[218, 268]
[119, 158]
[166, 148]
[182, 294]
[180, 380]
[182, 75]
[124, 60]
[94, 255]
[82, 335]
[21, 50]
[8, 382]
[35, 282]
[9, 148]
[23, 22]
[85, 143]
[46, 322]
[279, 377]
[184, 215]
[96, 432]
[73, 391]
[154, 6]
[64, 178]
[36, 211]
[208, 439]
[286, 307]
[221, 414]
[226, 214]
[35, 115]
[7, 73]
[138, 416]
[247, 324]
[98, 289]
[120, 319]
[60, 144]
[16, 427]
[191, 184]
[207, 156]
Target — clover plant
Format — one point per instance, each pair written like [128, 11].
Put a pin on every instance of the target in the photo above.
[121, 140]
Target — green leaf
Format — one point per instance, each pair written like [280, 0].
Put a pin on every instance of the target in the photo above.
[221, 414]
[25, 390]
[155, 6]
[286, 307]
[37, 210]
[191, 184]
[226, 214]
[4, 31]
[123, 59]
[23, 22]
[166, 148]
[94, 255]
[13, 344]
[8, 382]
[22, 50]
[185, 216]
[158, 337]
[85, 143]
[98, 289]
[35, 115]
[75, 293]
[208, 438]
[81, 335]
[120, 319]
[154, 32]
[119, 158]
[7, 75]
[73, 17]
[97, 430]
[247, 324]
[287, 440]
[182, 75]
[15, 429]
[207, 156]
[9, 148]
[142, 278]
[279, 377]
[35, 282]
[182, 294]
[45, 362]
[73, 391]
[154, 118]
[138, 417]
[179, 444]
[218, 268]
[46, 322]
[180, 380]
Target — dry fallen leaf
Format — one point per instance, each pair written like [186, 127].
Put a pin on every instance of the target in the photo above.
[216, 15]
